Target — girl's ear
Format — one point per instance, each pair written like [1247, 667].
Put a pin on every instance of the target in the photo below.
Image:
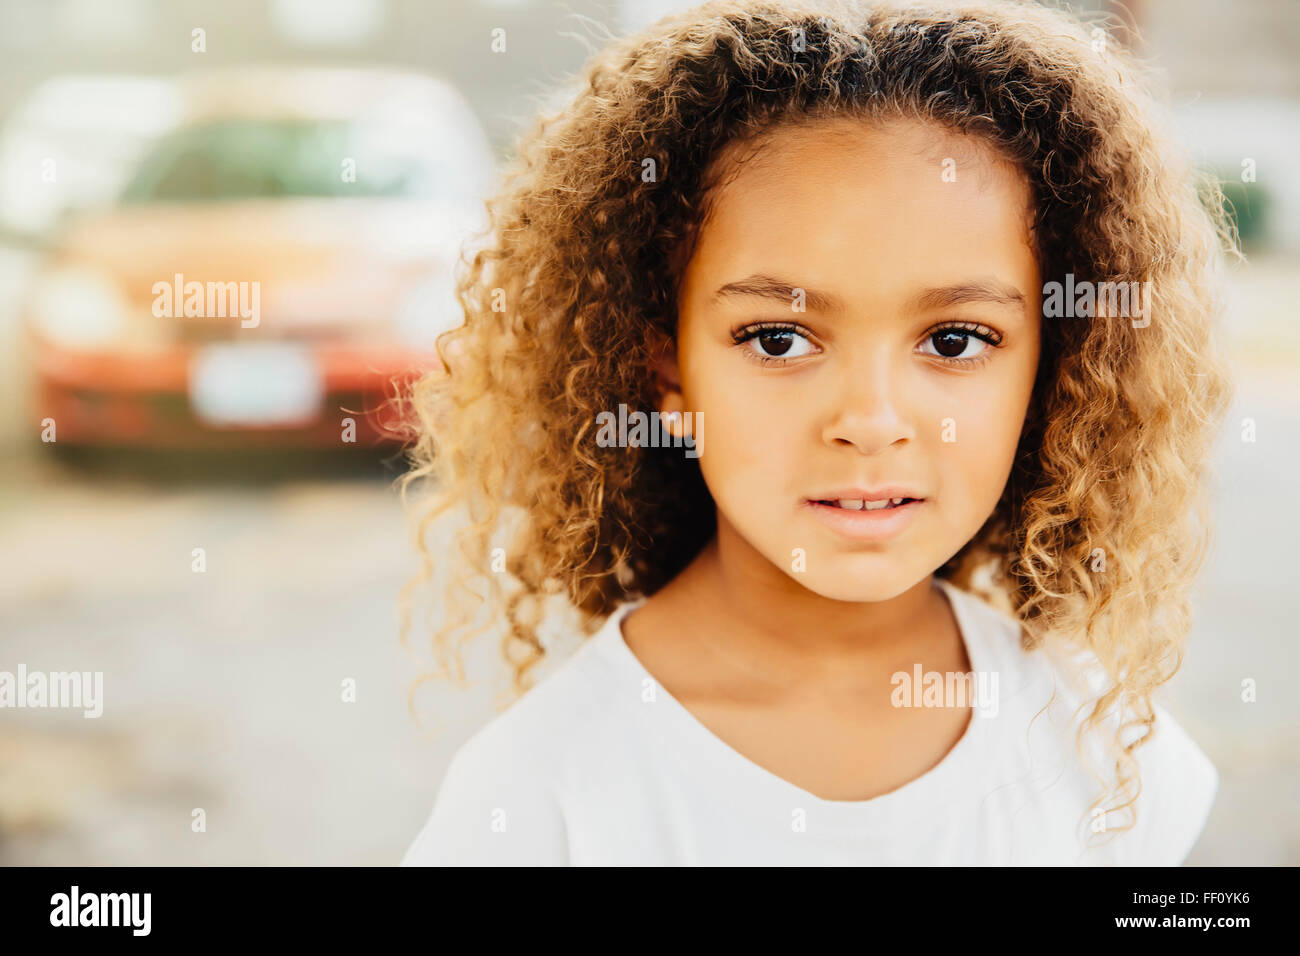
[680, 423]
[667, 377]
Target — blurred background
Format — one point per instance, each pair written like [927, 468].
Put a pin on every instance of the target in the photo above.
[338, 152]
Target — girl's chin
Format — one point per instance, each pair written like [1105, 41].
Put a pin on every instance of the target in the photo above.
[854, 585]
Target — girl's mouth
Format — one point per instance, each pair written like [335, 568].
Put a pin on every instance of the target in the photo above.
[865, 519]
[857, 504]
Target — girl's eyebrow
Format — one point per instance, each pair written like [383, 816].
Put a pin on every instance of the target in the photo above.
[983, 290]
[766, 287]
[980, 290]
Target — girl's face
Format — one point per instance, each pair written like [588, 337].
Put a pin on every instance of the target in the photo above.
[859, 320]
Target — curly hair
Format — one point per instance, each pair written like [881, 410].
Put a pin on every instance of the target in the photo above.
[1103, 523]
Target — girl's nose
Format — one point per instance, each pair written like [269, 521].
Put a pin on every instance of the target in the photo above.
[869, 411]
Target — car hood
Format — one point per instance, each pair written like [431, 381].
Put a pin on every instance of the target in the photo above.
[320, 256]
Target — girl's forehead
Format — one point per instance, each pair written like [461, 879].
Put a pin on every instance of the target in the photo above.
[868, 186]
[873, 211]
[816, 168]
[890, 140]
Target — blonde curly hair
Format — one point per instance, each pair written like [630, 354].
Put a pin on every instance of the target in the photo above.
[578, 271]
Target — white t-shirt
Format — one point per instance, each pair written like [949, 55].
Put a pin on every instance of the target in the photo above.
[599, 765]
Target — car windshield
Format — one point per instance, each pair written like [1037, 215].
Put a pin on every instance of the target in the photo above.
[244, 159]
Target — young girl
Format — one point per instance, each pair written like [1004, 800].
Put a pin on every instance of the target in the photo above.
[921, 305]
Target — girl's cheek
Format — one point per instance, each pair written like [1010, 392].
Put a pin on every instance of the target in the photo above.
[984, 436]
[749, 445]
[739, 433]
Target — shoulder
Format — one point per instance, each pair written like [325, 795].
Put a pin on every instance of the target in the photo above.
[1178, 781]
[500, 799]
[1179, 784]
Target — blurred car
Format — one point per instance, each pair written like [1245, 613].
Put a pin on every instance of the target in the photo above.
[280, 261]
[72, 142]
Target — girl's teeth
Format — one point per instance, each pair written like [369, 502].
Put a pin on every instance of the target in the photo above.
[856, 504]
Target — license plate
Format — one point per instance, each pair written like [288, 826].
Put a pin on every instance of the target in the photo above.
[271, 384]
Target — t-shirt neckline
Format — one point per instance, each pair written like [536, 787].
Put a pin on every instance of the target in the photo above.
[952, 775]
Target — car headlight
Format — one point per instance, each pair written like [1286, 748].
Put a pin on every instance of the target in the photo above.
[78, 307]
[428, 310]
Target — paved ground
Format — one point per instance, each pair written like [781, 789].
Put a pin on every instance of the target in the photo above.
[223, 689]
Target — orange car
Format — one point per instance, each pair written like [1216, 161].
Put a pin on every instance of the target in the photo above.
[277, 263]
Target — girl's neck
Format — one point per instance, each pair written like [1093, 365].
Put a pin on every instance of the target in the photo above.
[753, 611]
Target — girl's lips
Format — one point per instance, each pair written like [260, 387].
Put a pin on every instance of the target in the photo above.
[865, 525]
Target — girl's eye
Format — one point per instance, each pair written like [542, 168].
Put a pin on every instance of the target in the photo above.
[774, 342]
[953, 343]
